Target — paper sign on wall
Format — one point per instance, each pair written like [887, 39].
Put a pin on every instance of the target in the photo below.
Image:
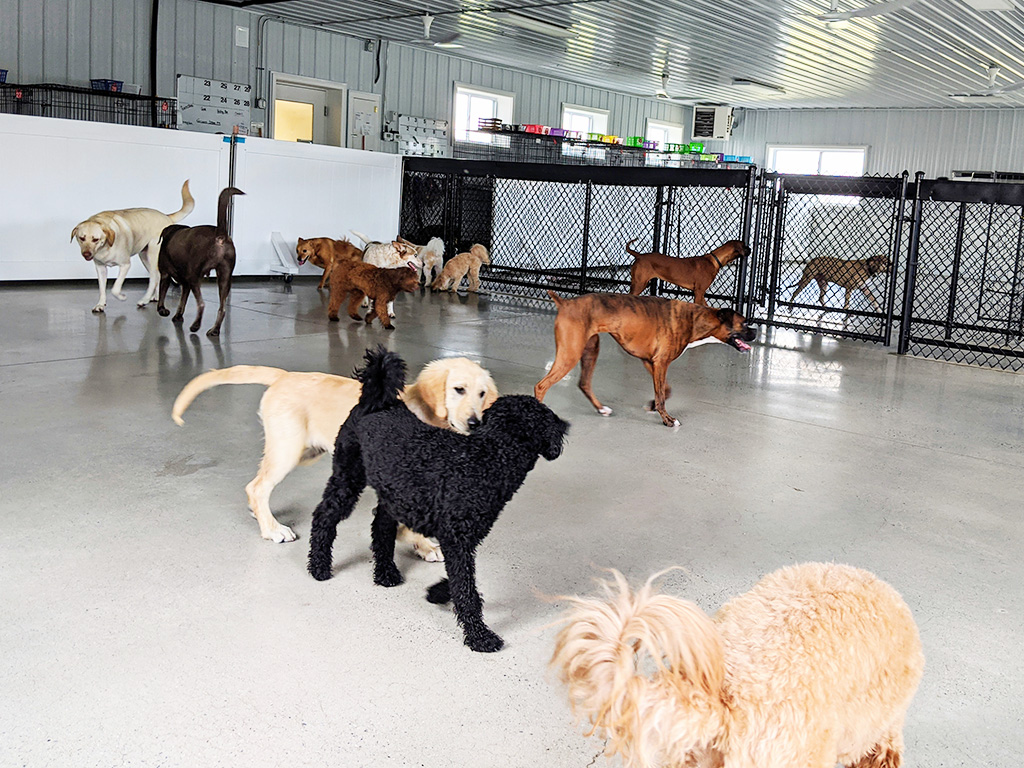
[213, 106]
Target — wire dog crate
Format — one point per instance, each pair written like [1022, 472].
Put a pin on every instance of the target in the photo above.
[70, 103]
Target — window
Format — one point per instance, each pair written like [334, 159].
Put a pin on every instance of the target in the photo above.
[584, 119]
[663, 133]
[815, 161]
[474, 104]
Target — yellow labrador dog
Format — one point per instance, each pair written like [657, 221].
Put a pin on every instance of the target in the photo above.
[302, 413]
[111, 238]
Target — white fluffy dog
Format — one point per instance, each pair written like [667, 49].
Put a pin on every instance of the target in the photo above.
[111, 238]
[816, 665]
[432, 256]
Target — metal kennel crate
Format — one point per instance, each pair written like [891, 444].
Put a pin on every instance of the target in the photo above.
[70, 103]
[565, 227]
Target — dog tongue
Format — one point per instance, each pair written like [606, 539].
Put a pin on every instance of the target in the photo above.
[743, 346]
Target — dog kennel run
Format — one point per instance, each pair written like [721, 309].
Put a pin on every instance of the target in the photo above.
[934, 266]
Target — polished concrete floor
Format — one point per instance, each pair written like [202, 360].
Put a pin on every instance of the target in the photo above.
[143, 622]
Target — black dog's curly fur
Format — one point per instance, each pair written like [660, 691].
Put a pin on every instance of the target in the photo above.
[435, 481]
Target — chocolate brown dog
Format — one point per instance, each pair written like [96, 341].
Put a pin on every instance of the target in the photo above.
[359, 280]
[695, 273]
[188, 254]
[653, 329]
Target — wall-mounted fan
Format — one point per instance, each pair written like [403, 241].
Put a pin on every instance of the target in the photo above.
[875, 9]
[445, 41]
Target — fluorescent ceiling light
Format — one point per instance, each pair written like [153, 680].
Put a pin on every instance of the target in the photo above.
[991, 5]
[448, 45]
[746, 82]
[534, 25]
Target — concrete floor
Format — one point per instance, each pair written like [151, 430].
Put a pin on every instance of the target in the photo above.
[145, 623]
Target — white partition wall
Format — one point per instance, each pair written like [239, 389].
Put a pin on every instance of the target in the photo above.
[55, 173]
[307, 190]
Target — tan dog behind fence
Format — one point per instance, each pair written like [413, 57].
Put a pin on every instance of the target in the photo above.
[849, 274]
[302, 413]
[459, 266]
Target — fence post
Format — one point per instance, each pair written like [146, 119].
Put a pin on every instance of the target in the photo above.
[586, 237]
[745, 230]
[776, 254]
[958, 251]
[911, 278]
[901, 210]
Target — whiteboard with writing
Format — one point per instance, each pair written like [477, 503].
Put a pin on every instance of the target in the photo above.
[213, 106]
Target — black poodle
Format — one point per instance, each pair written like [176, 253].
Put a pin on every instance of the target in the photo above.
[435, 481]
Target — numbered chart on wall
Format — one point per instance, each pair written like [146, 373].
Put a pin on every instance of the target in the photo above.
[213, 106]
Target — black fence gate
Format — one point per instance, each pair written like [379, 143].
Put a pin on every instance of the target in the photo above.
[566, 227]
[965, 300]
[827, 254]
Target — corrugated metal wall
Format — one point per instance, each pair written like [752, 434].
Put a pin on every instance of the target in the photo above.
[69, 41]
[935, 141]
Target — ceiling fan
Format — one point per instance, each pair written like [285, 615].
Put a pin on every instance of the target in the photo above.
[446, 41]
[875, 9]
[992, 90]
[662, 93]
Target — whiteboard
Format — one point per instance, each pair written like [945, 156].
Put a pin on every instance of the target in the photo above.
[213, 106]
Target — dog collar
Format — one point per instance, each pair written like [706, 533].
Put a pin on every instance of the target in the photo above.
[715, 258]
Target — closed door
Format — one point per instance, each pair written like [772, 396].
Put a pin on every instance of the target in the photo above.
[364, 121]
[299, 113]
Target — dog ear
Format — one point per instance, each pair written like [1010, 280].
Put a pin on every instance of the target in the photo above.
[725, 316]
[74, 234]
[432, 388]
[492, 393]
[109, 234]
[403, 241]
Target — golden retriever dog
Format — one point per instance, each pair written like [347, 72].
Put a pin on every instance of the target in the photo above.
[302, 413]
[325, 252]
[111, 238]
[816, 665]
[451, 276]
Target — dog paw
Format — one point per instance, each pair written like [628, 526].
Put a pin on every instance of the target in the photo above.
[142, 304]
[604, 410]
[194, 327]
[429, 551]
[98, 308]
[485, 641]
[320, 572]
[280, 534]
[163, 311]
[176, 319]
[120, 296]
[388, 578]
[213, 332]
[670, 422]
[439, 593]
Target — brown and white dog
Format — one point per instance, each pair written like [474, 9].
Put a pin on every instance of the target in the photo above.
[695, 273]
[390, 255]
[111, 238]
[323, 252]
[849, 274]
[653, 329]
[302, 413]
[816, 665]
[459, 266]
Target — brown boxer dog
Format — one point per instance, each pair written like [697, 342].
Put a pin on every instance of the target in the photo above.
[653, 329]
[695, 273]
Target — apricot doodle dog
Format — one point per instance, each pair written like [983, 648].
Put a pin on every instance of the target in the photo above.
[358, 280]
[302, 413]
[816, 665]
[457, 268]
[695, 273]
[324, 252]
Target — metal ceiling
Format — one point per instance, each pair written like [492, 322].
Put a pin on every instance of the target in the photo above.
[915, 57]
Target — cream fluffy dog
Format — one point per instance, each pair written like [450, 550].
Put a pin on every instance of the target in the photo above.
[816, 665]
[111, 238]
[457, 267]
[432, 256]
[302, 413]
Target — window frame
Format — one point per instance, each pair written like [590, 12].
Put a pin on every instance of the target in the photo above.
[772, 149]
[652, 121]
[505, 105]
[592, 112]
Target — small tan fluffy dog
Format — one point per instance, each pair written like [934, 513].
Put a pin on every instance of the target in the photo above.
[816, 665]
[457, 267]
[302, 413]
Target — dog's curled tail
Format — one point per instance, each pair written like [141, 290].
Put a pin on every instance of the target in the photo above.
[361, 236]
[383, 379]
[630, 659]
[236, 374]
[556, 298]
[630, 250]
[223, 201]
[188, 203]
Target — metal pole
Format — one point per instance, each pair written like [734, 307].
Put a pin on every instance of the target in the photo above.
[911, 277]
[232, 157]
[954, 282]
[586, 236]
[776, 255]
[745, 229]
[894, 254]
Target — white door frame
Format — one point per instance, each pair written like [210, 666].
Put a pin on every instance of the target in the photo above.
[337, 98]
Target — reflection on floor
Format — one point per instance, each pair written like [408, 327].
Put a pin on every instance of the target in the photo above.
[146, 623]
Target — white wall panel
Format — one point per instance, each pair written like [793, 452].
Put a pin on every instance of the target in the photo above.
[305, 190]
[59, 172]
